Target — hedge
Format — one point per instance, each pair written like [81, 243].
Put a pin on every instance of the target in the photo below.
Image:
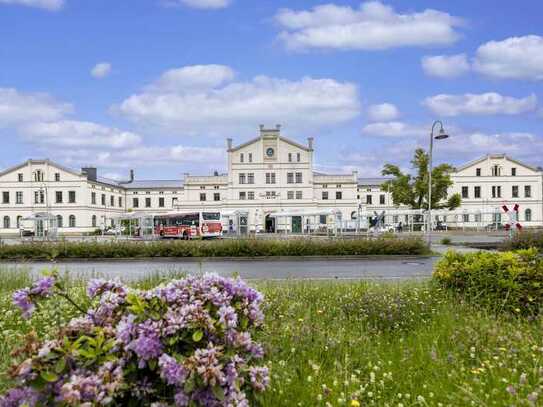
[524, 240]
[508, 281]
[215, 248]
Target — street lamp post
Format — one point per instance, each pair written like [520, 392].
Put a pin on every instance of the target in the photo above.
[442, 135]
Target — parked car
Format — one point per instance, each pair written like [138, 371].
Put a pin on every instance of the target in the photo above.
[440, 225]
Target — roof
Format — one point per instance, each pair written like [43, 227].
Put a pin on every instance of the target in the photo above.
[43, 161]
[490, 156]
[373, 181]
[108, 181]
[150, 184]
[281, 138]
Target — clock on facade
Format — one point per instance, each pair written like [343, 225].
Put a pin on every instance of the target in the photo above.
[269, 152]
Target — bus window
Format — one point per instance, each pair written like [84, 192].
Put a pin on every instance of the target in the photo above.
[211, 216]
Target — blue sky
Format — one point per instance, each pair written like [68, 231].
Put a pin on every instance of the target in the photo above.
[158, 85]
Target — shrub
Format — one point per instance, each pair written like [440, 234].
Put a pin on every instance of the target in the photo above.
[524, 240]
[446, 241]
[185, 343]
[509, 281]
[218, 248]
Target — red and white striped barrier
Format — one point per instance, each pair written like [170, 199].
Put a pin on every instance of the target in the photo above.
[513, 217]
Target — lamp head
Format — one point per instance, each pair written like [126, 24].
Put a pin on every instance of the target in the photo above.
[442, 135]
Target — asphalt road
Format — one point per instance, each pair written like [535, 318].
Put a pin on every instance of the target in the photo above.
[268, 269]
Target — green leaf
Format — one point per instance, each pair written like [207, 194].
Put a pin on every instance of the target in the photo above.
[60, 365]
[153, 364]
[49, 377]
[218, 392]
[197, 335]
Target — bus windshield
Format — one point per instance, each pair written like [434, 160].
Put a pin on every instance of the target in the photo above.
[211, 215]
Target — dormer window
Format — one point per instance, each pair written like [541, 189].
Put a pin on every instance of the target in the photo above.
[513, 172]
[289, 157]
[298, 157]
[250, 157]
[241, 158]
[478, 172]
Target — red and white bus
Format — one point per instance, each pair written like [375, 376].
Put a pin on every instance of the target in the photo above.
[193, 225]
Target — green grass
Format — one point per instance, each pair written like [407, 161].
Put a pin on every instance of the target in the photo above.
[215, 248]
[410, 344]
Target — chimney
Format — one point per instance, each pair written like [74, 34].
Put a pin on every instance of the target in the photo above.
[131, 175]
[229, 143]
[215, 173]
[310, 142]
[92, 173]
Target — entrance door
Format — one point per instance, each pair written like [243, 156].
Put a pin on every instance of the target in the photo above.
[39, 228]
[296, 224]
[270, 224]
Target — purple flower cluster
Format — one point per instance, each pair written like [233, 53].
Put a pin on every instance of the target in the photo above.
[186, 343]
[25, 299]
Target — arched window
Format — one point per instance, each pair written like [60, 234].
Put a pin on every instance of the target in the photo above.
[528, 215]
[6, 222]
[93, 221]
[19, 219]
[353, 215]
[60, 221]
[72, 221]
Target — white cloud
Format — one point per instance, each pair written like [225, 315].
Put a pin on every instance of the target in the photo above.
[192, 77]
[72, 133]
[446, 66]
[383, 112]
[202, 4]
[219, 104]
[512, 58]
[101, 70]
[480, 104]
[394, 129]
[373, 26]
[45, 4]
[18, 107]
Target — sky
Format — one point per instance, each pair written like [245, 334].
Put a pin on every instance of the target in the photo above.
[158, 85]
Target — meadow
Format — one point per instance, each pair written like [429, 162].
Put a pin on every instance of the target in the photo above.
[352, 344]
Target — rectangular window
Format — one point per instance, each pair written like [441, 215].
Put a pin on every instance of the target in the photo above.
[251, 195]
[103, 199]
[339, 195]
[496, 171]
[58, 196]
[161, 202]
[174, 202]
[496, 191]
[290, 194]
[527, 191]
[216, 196]
[298, 177]
[477, 192]
[250, 157]
[514, 192]
[250, 178]
[5, 197]
[19, 197]
[71, 196]
[242, 196]
[368, 200]
[324, 195]
[20, 177]
[289, 157]
[203, 197]
[241, 158]
[382, 199]
[513, 172]
[147, 202]
[290, 178]
[39, 197]
[478, 172]
[120, 202]
[111, 200]
[135, 202]
[298, 157]
[93, 198]
[465, 192]
[57, 176]
[465, 217]
[299, 194]
[270, 178]
[242, 178]
[322, 219]
[478, 217]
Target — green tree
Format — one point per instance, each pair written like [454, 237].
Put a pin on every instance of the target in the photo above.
[412, 190]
